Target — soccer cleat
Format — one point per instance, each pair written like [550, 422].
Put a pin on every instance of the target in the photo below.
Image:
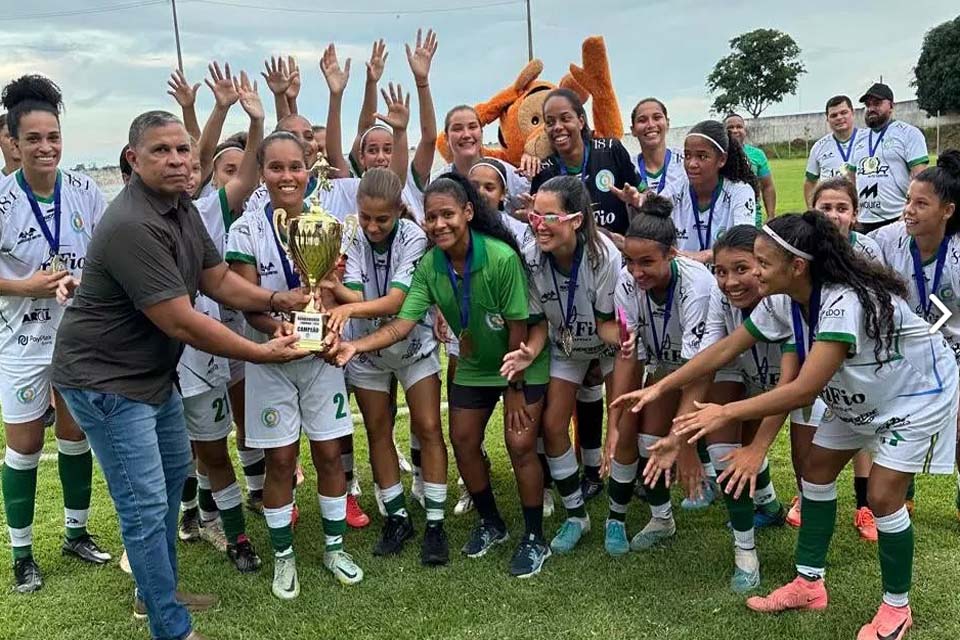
[396, 531]
[356, 518]
[342, 566]
[86, 549]
[865, 524]
[890, 623]
[26, 575]
[656, 531]
[801, 594]
[192, 602]
[243, 556]
[125, 563]
[763, 518]
[483, 537]
[743, 579]
[793, 515]
[189, 526]
[615, 538]
[286, 583]
[353, 488]
[464, 502]
[416, 491]
[255, 502]
[708, 494]
[435, 550]
[528, 559]
[548, 503]
[590, 489]
[212, 533]
[570, 533]
[402, 461]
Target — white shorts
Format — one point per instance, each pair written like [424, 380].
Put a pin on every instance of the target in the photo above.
[363, 374]
[208, 415]
[453, 347]
[24, 392]
[237, 371]
[305, 394]
[573, 370]
[913, 449]
[810, 416]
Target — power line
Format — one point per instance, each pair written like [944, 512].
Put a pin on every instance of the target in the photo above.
[247, 5]
[82, 12]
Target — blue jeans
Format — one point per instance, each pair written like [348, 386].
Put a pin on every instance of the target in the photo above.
[145, 454]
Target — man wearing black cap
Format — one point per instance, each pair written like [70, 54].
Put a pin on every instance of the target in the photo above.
[884, 160]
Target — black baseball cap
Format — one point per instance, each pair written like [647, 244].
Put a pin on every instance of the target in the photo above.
[878, 90]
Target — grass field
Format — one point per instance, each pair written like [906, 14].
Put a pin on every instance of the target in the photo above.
[676, 592]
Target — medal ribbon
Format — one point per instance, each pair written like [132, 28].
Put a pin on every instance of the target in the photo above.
[465, 289]
[583, 165]
[920, 279]
[53, 238]
[761, 370]
[373, 259]
[845, 154]
[804, 346]
[705, 244]
[293, 280]
[571, 284]
[872, 148]
[642, 166]
[668, 308]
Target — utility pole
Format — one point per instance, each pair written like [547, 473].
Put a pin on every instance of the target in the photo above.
[529, 34]
[176, 34]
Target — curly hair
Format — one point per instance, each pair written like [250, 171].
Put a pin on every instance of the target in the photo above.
[27, 94]
[835, 262]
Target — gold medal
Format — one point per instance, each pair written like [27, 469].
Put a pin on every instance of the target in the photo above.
[871, 165]
[466, 343]
[56, 263]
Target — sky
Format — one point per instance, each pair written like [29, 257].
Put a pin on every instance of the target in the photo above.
[112, 57]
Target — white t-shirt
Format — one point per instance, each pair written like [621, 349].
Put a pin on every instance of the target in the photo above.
[368, 272]
[735, 204]
[760, 366]
[905, 390]
[867, 247]
[200, 372]
[827, 159]
[667, 349]
[592, 297]
[884, 175]
[666, 184]
[895, 244]
[28, 326]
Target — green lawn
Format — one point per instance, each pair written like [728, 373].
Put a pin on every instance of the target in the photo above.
[677, 592]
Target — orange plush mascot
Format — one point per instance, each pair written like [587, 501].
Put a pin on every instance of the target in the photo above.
[519, 107]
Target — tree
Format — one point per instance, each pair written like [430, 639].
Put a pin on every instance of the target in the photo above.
[763, 67]
[937, 74]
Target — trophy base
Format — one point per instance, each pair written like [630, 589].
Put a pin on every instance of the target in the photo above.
[312, 328]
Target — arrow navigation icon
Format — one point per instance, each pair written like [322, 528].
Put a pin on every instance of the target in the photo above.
[943, 310]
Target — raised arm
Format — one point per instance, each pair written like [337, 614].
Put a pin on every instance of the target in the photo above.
[398, 116]
[247, 178]
[293, 69]
[225, 94]
[420, 58]
[337, 79]
[186, 97]
[278, 81]
[368, 110]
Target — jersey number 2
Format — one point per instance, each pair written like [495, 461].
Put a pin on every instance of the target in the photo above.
[341, 401]
[220, 406]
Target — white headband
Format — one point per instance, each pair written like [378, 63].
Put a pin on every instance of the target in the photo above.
[487, 163]
[364, 135]
[786, 245]
[224, 150]
[706, 137]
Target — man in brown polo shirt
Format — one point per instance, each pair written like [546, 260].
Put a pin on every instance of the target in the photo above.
[119, 342]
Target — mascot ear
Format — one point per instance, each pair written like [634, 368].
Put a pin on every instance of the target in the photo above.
[493, 108]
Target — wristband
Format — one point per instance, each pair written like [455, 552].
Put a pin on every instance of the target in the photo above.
[424, 85]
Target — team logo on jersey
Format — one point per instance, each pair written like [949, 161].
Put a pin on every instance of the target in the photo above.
[28, 235]
[76, 221]
[495, 321]
[26, 395]
[947, 293]
[873, 166]
[35, 316]
[270, 417]
[604, 180]
[268, 269]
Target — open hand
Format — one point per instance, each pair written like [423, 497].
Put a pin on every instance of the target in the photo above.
[225, 92]
[330, 68]
[421, 55]
[248, 96]
[378, 60]
[181, 91]
[398, 108]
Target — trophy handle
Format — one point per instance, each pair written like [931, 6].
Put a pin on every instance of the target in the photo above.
[280, 221]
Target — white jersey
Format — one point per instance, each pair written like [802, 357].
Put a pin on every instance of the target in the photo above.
[28, 326]
[592, 297]
[374, 274]
[829, 156]
[760, 367]
[201, 372]
[667, 348]
[882, 161]
[907, 389]
[896, 243]
[516, 183]
[696, 231]
[867, 247]
[665, 183]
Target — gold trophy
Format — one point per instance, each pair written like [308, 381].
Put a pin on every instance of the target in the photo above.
[314, 242]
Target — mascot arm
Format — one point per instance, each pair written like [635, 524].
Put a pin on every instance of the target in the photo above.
[595, 78]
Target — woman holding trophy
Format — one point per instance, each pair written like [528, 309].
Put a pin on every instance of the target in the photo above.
[307, 395]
